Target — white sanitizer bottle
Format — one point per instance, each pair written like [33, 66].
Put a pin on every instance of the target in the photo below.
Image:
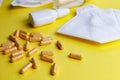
[47, 16]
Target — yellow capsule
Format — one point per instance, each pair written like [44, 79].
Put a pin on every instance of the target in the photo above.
[16, 34]
[48, 53]
[36, 34]
[10, 50]
[47, 59]
[75, 56]
[27, 46]
[21, 31]
[12, 38]
[59, 45]
[4, 48]
[19, 46]
[53, 69]
[32, 51]
[11, 44]
[26, 67]
[35, 39]
[16, 58]
[17, 53]
[24, 36]
[44, 42]
[48, 38]
[34, 62]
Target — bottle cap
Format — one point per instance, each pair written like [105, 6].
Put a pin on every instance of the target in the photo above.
[62, 12]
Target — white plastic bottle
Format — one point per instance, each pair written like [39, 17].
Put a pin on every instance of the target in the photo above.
[46, 16]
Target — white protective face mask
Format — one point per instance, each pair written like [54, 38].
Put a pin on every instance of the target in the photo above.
[35, 3]
[30, 3]
[95, 24]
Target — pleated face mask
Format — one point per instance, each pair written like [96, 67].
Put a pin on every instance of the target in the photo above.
[59, 3]
[30, 3]
[94, 24]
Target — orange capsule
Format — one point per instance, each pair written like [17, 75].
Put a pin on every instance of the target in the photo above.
[75, 56]
[26, 67]
[10, 50]
[34, 62]
[22, 31]
[11, 44]
[24, 36]
[53, 69]
[12, 38]
[32, 51]
[59, 45]
[19, 52]
[16, 34]
[48, 53]
[27, 46]
[35, 39]
[4, 48]
[16, 58]
[44, 42]
[47, 59]
[36, 34]
[19, 46]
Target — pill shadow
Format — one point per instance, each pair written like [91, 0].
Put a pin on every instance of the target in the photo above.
[26, 23]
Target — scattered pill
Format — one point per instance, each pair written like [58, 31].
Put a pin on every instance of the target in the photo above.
[16, 58]
[22, 31]
[44, 42]
[24, 36]
[48, 53]
[34, 62]
[10, 50]
[12, 38]
[35, 39]
[47, 59]
[10, 44]
[26, 67]
[48, 38]
[32, 51]
[59, 45]
[19, 52]
[4, 48]
[27, 46]
[17, 32]
[75, 56]
[19, 46]
[36, 34]
[53, 69]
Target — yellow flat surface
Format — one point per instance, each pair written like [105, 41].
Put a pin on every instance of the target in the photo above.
[100, 61]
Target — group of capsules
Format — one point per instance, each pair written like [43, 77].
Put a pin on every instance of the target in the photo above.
[16, 50]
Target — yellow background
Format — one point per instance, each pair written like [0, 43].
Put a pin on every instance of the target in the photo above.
[100, 61]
